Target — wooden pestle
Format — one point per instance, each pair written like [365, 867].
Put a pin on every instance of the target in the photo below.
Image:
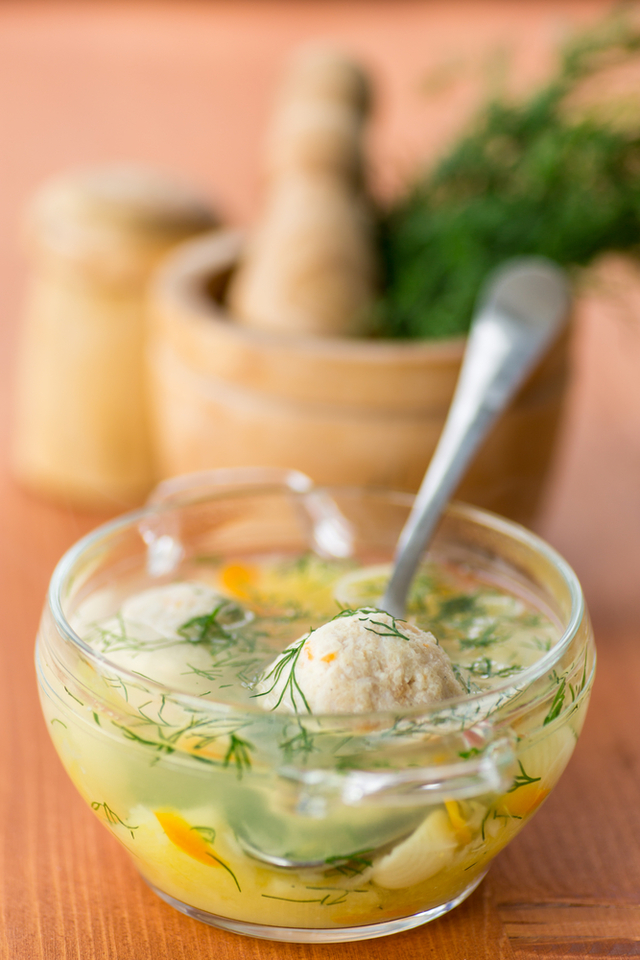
[309, 266]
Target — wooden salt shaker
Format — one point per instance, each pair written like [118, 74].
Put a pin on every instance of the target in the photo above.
[81, 430]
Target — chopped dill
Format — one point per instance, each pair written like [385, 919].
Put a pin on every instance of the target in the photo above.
[422, 588]
[558, 701]
[226, 867]
[351, 612]
[531, 619]
[583, 681]
[460, 677]
[74, 698]
[207, 833]
[537, 644]
[485, 667]
[487, 638]
[112, 817]
[464, 603]
[238, 753]
[287, 661]
[483, 824]
[206, 627]
[335, 896]
[387, 629]
[143, 741]
[352, 865]
[522, 779]
[299, 744]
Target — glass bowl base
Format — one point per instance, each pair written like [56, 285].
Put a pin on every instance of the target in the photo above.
[319, 934]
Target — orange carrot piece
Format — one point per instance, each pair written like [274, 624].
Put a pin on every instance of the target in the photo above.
[459, 824]
[185, 837]
[521, 802]
[238, 579]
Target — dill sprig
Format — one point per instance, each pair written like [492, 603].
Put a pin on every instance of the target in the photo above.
[112, 817]
[352, 865]
[335, 896]
[462, 678]
[207, 626]
[558, 701]
[286, 665]
[522, 779]
[526, 178]
[301, 743]
[238, 753]
[485, 667]
[460, 604]
[207, 833]
[487, 638]
[386, 629]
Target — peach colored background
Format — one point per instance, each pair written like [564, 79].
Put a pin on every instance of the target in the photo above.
[186, 86]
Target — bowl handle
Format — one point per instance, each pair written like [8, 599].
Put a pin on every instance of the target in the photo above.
[491, 772]
[188, 485]
[330, 533]
[161, 530]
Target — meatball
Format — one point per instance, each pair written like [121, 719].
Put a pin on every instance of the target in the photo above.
[361, 661]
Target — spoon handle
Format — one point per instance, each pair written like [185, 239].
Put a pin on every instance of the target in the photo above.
[525, 305]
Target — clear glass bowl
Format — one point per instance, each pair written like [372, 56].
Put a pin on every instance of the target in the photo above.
[253, 839]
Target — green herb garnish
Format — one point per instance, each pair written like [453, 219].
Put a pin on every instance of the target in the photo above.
[386, 629]
[558, 701]
[522, 778]
[207, 833]
[286, 664]
[112, 817]
[487, 638]
[528, 178]
[207, 626]
[238, 753]
[485, 667]
[298, 744]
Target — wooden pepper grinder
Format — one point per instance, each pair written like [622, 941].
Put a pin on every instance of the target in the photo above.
[309, 266]
[81, 430]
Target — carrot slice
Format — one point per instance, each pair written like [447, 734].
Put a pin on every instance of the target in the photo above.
[190, 841]
[459, 824]
[521, 802]
[238, 579]
[185, 837]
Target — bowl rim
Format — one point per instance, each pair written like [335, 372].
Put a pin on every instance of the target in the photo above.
[476, 515]
[187, 270]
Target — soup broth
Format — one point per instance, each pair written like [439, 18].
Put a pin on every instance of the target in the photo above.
[253, 815]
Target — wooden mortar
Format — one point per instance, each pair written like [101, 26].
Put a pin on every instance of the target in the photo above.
[344, 411]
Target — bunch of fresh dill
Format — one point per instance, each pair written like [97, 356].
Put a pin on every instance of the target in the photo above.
[528, 178]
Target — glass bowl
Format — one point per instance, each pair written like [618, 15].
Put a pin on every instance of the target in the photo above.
[298, 827]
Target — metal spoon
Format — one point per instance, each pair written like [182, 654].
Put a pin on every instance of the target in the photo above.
[522, 310]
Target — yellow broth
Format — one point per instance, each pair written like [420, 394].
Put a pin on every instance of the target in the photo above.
[209, 801]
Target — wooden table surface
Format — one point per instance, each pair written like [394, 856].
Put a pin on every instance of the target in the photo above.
[186, 86]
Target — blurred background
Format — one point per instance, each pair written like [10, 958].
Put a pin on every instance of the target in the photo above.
[188, 88]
